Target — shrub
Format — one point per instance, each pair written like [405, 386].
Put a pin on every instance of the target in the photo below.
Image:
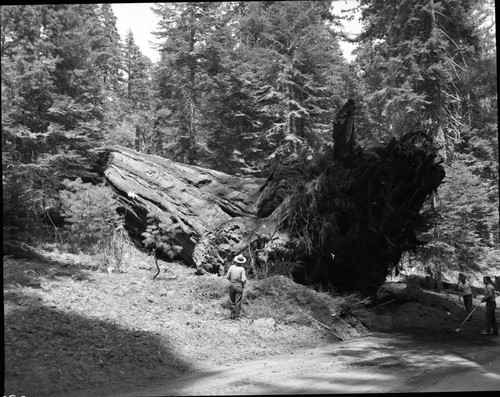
[90, 211]
[19, 203]
[159, 234]
[112, 251]
[158, 238]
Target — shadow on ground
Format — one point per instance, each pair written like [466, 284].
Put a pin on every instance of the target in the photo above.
[95, 353]
[51, 351]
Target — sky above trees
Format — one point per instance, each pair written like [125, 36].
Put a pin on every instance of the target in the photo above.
[139, 18]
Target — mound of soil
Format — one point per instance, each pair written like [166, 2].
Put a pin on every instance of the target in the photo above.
[411, 309]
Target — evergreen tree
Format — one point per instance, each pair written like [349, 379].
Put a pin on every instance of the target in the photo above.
[138, 95]
[295, 69]
[107, 49]
[51, 101]
[229, 112]
[183, 30]
[244, 81]
[28, 65]
[423, 48]
[468, 210]
[136, 69]
[478, 149]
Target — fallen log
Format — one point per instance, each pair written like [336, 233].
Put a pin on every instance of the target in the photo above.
[342, 222]
[193, 199]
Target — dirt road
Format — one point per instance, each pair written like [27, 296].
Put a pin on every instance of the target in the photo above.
[378, 363]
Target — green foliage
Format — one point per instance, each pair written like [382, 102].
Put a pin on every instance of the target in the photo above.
[27, 194]
[138, 103]
[243, 85]
[238, 96]
[51, 114]
[90, 211]
[52, 79]
[137, 73]
[188, 28]
[293, 71]
[158, 236]
[106, 49]
[414, 57]
[18, 205]
[468, 206]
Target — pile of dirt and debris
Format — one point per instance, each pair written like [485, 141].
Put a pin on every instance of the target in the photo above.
[408, 307]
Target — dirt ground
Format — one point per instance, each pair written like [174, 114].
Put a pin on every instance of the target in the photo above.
[72, 330]
[71, 327]
[378, 363]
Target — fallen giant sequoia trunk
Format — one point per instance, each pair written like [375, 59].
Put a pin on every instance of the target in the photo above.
[342, 222]
[192, 200]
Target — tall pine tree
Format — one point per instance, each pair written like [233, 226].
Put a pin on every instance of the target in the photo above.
[107, 49]
[183, 31]
[295, 68]
[139, 102]
[422, 49]
[51, 101]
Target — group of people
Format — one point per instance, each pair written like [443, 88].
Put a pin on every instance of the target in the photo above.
[465, 293]
[236, 275]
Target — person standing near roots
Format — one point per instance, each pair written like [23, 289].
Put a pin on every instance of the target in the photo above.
[465, 292]
[237, 277]
[489, 298]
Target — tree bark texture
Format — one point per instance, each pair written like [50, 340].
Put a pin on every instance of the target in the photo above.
[196, 200]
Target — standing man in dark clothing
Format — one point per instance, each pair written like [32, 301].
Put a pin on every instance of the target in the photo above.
[237, 276]
[489, 298]
[465, 291]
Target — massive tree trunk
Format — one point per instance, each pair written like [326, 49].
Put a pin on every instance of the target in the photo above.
[196, 200]
[214, 216]
[342, 219]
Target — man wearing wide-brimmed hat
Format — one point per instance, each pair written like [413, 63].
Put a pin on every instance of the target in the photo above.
[236, 275]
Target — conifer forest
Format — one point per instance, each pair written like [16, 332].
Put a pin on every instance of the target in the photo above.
[355, 169]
